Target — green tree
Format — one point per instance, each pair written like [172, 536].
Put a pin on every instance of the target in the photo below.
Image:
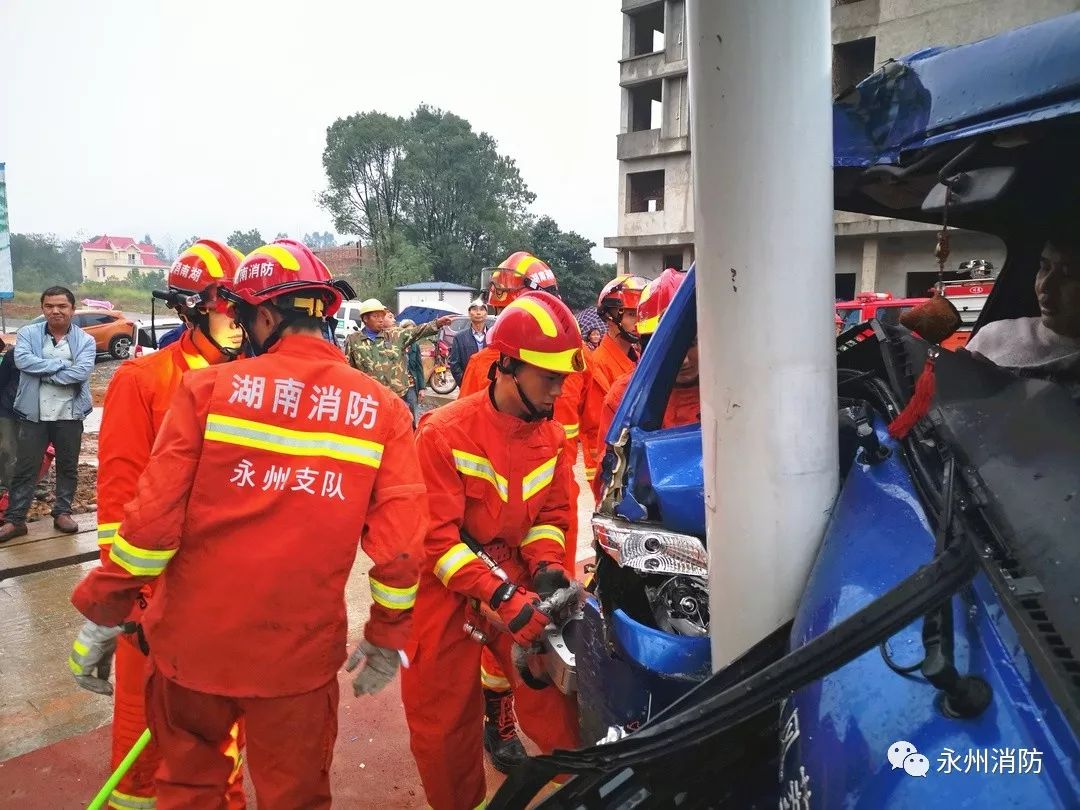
[191, 240]
[407, 264]
[570, 256]
[316, 240]
[362, 157]
[281, 235]
[42, 260]
[461, 199]
[246, 241]
[429, 180]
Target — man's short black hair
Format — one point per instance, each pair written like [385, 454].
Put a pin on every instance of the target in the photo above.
[64, 291]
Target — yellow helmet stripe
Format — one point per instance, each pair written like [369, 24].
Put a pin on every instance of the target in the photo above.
[649, 325]
[525, 264]
[278, 254]
[542, 316]
[564, 362]
[209, 258]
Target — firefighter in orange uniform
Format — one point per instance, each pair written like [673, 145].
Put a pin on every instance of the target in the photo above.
[265, 474]
[498, 482]
[518, 274]
[616, 355]
[135, 404]
[684, 401]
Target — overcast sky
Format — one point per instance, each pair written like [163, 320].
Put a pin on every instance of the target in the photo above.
[188, 117]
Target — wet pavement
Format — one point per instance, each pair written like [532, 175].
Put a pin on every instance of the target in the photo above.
[54, 737]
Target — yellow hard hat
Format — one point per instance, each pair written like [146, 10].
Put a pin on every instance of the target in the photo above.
[372, 305]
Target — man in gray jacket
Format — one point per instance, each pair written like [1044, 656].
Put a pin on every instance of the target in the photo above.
[55, 359]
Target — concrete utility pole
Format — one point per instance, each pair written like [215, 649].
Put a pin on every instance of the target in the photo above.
[761, 126]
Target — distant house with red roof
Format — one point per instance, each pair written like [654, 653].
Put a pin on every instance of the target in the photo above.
[114, 257]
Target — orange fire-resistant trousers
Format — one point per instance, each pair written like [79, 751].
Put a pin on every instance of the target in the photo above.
[444, 702]
[136, 789]
[290, 745]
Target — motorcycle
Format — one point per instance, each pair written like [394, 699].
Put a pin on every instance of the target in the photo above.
[441, 381]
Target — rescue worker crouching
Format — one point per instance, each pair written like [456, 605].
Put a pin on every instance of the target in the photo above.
[135, 405]
[497, 479]
[518, 274]
[250, 620]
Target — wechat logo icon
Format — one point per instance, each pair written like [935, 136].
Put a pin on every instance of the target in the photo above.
[903, 754]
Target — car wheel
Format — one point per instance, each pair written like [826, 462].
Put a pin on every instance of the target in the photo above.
[120, 347]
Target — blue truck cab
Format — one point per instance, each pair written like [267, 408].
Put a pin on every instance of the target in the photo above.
[934, 657]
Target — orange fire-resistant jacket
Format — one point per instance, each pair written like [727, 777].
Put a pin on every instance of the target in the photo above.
[502, 480]
[606, 364]
[135, 404]
[683, 408]
[266, 474]
[475, 377]
[568, 406]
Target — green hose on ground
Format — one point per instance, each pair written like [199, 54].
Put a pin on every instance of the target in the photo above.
[114, 780]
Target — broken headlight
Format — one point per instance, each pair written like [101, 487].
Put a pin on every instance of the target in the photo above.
[649, 549]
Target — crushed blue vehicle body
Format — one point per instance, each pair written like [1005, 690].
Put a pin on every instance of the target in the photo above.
[973, 701]
[939, 95]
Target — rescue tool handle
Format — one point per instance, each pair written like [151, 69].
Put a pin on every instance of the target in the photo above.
[124, 766]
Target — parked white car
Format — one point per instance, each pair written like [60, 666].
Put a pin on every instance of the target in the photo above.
[146, 337]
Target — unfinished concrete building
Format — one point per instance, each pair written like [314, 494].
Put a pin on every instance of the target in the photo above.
[656, 217]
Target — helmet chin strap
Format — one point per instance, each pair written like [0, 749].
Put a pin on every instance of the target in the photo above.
[507, 366]
[201, 320]
[617, 320]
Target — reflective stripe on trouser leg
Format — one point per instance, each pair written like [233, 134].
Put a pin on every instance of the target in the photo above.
[129, 721]
[123, 801]
[547, 716]
[491, 675]
[443, 701]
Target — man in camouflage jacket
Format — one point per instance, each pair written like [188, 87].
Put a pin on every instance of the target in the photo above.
[381, 348]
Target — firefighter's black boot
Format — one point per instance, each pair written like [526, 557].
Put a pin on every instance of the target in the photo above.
[500, 731]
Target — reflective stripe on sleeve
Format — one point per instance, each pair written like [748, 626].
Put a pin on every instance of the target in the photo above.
[393, 598]
[544, 532]
[140, 562]
[452, 561]
[572, 431]
[106, 532]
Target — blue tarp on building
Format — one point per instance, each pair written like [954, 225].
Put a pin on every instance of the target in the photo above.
[422, 314]
[938, 95]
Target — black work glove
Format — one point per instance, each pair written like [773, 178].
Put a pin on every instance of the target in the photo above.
[549, 578]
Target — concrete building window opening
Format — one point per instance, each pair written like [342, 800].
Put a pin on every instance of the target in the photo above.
[648, 30]
[853, 61]
[645, 192]
[646, 106]
[673, 260]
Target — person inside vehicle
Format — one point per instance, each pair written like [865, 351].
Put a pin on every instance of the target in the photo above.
[1046, 345]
